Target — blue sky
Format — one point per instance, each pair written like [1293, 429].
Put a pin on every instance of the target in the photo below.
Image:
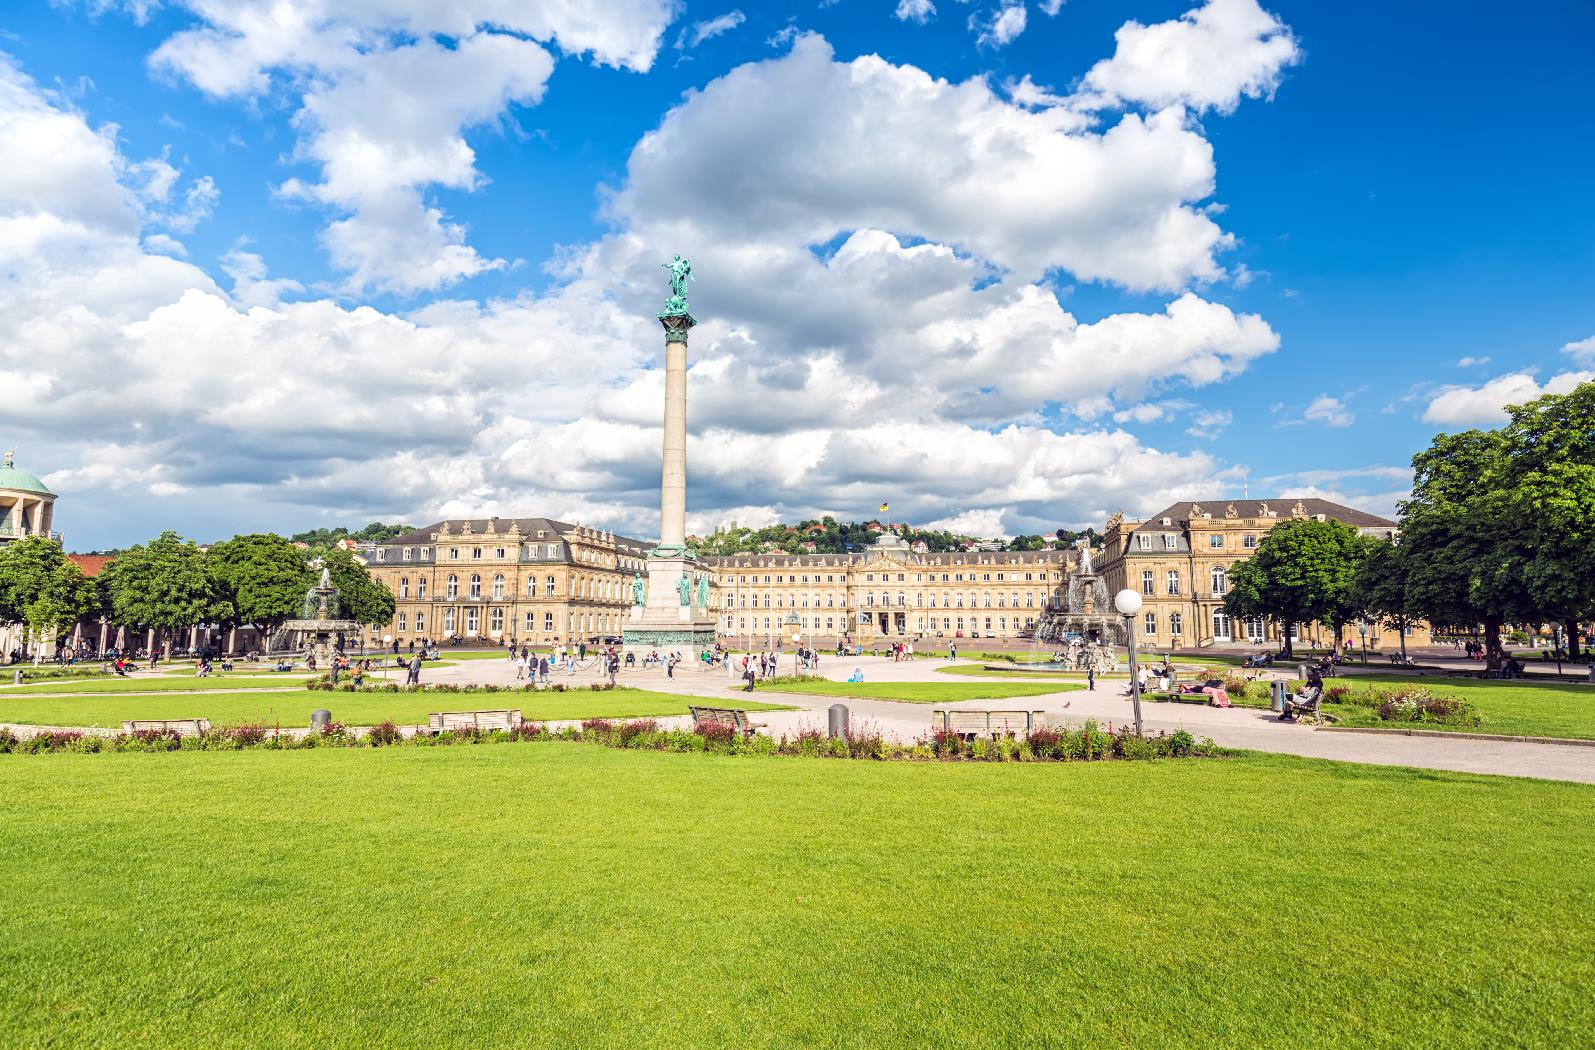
[930, 276]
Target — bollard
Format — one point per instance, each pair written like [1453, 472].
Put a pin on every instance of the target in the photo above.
[1301, 671]
[319, 718]
[838, 721]
[1277, 696]
[16, 676]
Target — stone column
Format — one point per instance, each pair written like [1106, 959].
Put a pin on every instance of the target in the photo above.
[673, 481]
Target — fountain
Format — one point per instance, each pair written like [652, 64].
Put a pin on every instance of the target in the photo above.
[1085, 632]
[318, 632]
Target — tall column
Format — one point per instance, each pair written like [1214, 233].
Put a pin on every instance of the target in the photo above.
[673, 479]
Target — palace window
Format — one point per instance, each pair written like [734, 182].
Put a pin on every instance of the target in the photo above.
[495, 620]
[420, 588]
[454, 554]
[1220, 625]
[901, 599]
[420, 622]
[531, 586]
[1145, 542]
[1027, 577]
[869, 577]
[548, 621]
[476, 585]
[382, 554]
[548, 587]
[1030, 600]
[1147, 587]
[473, 620]
[531, 621]
[452, 588]
[401, 623]
[404, 586]
[1174, 623]
[1216, 541]
[476, 553]
[1249, 541]
[499, 553]
[448, 621]
[423, 553]
[1220, 581]
[498, 585]
[406, 554]
[1151, 624]
[1174, 581]
[1170, 541]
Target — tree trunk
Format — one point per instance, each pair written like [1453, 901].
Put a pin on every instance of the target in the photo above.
[1573, 636]
[1284, 633]
[1401, 632]
[1492, 643]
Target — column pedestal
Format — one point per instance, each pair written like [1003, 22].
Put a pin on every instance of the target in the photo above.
[662, 622]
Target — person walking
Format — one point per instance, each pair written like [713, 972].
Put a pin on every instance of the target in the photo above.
[1091, 677]
[415, 670]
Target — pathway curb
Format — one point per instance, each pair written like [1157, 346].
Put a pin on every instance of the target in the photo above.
[1457, 736]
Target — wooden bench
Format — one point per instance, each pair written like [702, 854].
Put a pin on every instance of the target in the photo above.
[987, 723]
[730, 716]
[180, 726]
[487, 721]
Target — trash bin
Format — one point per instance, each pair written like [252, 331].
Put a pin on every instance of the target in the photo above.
[838, 721]
[1591, 674]
[319, 718]
[16, 676]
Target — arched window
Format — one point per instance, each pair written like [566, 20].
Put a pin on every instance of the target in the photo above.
[902, 599]
[498, 585]
[473, 621]
[448, 620]
[452, 589]
[1174, 583]
[548, 586]
[1220, 581]
[476, 585]
[404, 586]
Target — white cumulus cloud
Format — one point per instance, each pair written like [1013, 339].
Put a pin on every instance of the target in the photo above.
[1485, 405]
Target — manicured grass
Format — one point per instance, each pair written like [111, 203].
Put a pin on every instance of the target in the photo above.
[566, 895]
[979, 671]
[157, 684]
[292, 707]
[923, 692]
[1512, 708]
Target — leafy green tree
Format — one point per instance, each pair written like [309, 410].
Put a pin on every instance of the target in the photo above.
[364, 599]
[262, 578]
[1027, 543]
[1303, 571]
[164, 584]
[1382, 587]
[42, 588]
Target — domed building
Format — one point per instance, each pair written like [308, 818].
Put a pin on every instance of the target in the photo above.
[27, 508]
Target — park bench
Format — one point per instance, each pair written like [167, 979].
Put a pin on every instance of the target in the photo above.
[1400, 660]
[730, 716]
[449, 721]
[180, 726]
[987, 723]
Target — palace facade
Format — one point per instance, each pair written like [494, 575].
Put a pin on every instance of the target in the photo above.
[490, 579]
[1179, 559]
[886, 592]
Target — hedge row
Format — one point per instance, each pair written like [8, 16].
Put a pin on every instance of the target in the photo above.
[1090, 742]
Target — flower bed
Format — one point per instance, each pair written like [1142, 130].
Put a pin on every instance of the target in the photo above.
[324, 684]
[1088, 743]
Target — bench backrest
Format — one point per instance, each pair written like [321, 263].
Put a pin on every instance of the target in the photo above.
[450, 720]
[182, 726]
[988, 722]
[729, 715]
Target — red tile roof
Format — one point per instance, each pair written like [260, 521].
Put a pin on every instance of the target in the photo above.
[91, 564]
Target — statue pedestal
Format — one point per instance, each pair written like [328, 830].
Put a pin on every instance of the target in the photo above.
[663, 622]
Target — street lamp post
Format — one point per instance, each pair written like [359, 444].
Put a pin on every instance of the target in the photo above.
[1128, 602]
[1362, 629]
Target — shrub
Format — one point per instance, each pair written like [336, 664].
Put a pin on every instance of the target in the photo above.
[1418, 705]
[716, 733]
[8, 741]
[334, 732]
[383, 734]
[635, 728]
[864, 739]
[1236, 686]
[597, 725]
[244, 734]
[1181, 743]
[528, 731]
[153, 739]
[55, 740]
[1129, 744]
[1046, 743]
[945, 743]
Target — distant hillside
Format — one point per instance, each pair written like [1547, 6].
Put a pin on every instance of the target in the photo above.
[828, 536]
[376, 532]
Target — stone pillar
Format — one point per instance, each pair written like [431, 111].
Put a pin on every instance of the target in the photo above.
[673, 480]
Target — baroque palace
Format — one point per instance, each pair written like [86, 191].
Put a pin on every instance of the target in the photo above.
[1179, 559]
[542, 581]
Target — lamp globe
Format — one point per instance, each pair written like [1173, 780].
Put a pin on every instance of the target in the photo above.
[1128, 602]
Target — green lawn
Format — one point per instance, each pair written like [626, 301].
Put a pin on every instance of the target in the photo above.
[157, 684]
[292, 707]
[567, 895]
[923, 692]
[980, 671]
[1511, 708]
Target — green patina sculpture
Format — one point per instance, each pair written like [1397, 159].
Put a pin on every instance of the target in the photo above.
[703, 591]
[637, 589]
[680, 273]
[684, 589]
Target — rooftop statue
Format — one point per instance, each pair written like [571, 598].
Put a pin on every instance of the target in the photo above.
[680, 273]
